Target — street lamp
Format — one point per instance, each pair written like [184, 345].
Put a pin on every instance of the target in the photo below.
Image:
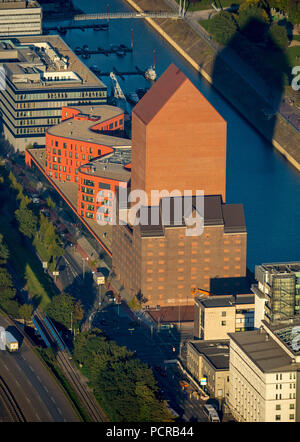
[83, 265]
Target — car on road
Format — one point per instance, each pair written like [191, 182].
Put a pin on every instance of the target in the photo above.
[183, 384]
[211, 413]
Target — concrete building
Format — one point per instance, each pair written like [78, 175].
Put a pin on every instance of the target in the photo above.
[264, 372]
[178, 142]
[277, 292]
[216, 316]
[18, 17]
[42, 76]
[209, 361]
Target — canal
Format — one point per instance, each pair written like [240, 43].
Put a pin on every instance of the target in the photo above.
[257, 175]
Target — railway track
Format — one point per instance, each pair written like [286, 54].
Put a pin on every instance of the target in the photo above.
[10, 403]
[85, 397]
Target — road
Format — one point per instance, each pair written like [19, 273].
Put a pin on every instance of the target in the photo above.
[153, 349]
[34, 389]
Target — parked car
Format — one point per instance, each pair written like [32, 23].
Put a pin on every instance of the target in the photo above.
[183, 384]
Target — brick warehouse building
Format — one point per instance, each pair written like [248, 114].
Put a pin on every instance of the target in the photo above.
[86, 148]
[179, 142]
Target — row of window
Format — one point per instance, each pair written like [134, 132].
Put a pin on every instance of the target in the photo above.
[58, 176]
[53, 95]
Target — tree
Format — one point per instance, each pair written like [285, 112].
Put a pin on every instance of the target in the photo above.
[27, 222]
[278, 37]
[63, 309]
[25, 311]
[11, 307]
[124, 386]
[294, 11]
[4, 252]
[253, 23]
[222, 27]
[50, 202]
[7, 290]
[282, 5]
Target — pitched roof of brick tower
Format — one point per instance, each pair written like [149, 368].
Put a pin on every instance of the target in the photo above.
[164, 88]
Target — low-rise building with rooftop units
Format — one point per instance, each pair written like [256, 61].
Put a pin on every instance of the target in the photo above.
[88, 160]
[277, 292]
[208, 362]
[216, 316]
[43, 75]
[20, 17]
[264, 371]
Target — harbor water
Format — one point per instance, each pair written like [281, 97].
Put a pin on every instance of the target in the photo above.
[257, 176]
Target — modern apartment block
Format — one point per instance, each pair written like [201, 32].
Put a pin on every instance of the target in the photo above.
[264, 373]
[42, 76]
[85, 149]
[18, 17]
[277, 292]
[178, 142]
[209, 361]
[216, 316]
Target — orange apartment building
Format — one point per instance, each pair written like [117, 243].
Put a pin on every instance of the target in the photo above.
[179, 142]
[86, 148]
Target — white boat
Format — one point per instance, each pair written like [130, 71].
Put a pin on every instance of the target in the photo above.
[150, 74]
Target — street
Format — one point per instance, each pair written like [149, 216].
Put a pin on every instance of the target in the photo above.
[154, 350]
[33, 388]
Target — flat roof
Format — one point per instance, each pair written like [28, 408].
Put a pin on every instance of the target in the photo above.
[280, 268]
[172, 314]
[213, 215]
[81, 130]
[216, 352]
[103, 111]
[19, 4]
[99, 168]
[263, 351]
[26, 59]
[226, 301]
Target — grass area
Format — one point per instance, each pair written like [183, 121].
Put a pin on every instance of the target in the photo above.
[40, 296]
[41, 249]
[293, 55]
[27, 265]
[51, 364]
[205, 24]
[207, 4]
[296, 37]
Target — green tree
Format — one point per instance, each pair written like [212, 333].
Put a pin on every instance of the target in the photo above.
[7, 290]
[294, 11]
[253, 23]
[61, 308]
[25, 311]
[282, 5]
[50, 203]
[11, 307]
[222, 27]
[4, 252]
[123, 385]
[27, 222]
[278, 37]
